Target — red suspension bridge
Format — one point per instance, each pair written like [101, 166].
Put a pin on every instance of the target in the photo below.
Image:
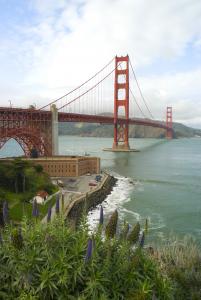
[89, 102]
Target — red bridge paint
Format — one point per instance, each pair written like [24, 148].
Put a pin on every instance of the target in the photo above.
[33, 128]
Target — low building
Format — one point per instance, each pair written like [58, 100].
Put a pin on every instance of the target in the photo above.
[41, 197]
[68, 166]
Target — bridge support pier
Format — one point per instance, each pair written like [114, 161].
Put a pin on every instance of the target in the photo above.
[55, 130]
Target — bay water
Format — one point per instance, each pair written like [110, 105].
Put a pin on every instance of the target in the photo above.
[162, 182]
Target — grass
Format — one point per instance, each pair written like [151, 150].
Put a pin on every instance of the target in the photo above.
[180, 260]
[18, 207]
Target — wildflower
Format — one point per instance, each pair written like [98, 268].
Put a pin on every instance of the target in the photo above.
[89, 250]
[17, 239]
[49, 213]
[5, 212]
[146, 226]
[101, 216]
[142, 240]
[35, 211]
[111, 227]
[57, 204]
[1, 239]
[154, 296]
[134, 235]
[124, 231]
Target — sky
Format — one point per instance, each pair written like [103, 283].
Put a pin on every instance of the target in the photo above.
[48, 47]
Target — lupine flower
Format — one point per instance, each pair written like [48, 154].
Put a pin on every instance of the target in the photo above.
[1, 239]
[146, 226]
[57, 204]
[49, 213]
[89, 250]
[134, 235]
[142, 240]
[154, 297]
[101, 216]
[17, 239]
[35, 209]
[5, 212]
[124, 231]
[111, 227]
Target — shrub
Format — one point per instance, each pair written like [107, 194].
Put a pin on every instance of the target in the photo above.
[53, 261]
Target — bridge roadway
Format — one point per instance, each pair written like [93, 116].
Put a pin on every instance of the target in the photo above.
[20, 114]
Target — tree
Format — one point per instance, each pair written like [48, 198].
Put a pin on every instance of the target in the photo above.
[20, 176]
[38, 168]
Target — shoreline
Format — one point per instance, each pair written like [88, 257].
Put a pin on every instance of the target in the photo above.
[90, 200]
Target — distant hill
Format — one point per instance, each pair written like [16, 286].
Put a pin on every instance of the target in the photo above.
[97, 130]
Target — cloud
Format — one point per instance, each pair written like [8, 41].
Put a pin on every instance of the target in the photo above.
[68, 41]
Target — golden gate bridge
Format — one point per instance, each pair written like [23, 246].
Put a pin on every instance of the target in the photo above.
[38, 128]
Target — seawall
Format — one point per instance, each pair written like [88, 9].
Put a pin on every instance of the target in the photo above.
[90, 200]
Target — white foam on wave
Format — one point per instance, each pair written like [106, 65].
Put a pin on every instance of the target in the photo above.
[118, 197]
[156, 221]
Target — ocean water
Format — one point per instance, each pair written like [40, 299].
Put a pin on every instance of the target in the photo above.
[162, 182]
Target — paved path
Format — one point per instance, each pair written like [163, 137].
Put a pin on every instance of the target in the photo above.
[74, 188]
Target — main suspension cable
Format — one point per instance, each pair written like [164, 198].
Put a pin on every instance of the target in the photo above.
[80, 85]
[95, 85]
[134, 99]
[140, 90]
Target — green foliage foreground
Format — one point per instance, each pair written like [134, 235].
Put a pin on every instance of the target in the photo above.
[54, 261]
[20, 180]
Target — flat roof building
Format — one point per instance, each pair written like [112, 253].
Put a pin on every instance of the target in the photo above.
[66, 166]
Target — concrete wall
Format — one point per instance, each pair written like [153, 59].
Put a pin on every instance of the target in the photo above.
[83, 204]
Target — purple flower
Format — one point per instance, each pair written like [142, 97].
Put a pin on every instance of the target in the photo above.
[57, 204]
[49, 213]
[142, 240]
[101, 216]
[5, 212]
[1, 239]
[89, 250]
[35, 211]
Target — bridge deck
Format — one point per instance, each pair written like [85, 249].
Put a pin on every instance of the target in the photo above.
[17, 114]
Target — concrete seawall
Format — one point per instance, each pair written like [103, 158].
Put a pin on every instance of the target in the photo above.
[82, 204]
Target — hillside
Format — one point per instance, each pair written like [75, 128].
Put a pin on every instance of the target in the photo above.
[97, 130]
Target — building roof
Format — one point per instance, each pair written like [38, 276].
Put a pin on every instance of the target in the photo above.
[42, 194]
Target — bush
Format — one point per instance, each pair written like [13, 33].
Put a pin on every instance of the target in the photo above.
[53, 261]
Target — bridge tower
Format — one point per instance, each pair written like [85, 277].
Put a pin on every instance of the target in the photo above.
[169, 131]
[55, 131]
[121, 99]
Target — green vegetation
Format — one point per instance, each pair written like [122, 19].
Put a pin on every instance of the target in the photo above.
[181, 262]
[53, 261]
[20, 181]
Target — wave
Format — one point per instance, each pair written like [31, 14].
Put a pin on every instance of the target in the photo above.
[118, 197]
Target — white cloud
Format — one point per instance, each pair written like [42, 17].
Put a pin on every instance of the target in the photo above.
[71, 40]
